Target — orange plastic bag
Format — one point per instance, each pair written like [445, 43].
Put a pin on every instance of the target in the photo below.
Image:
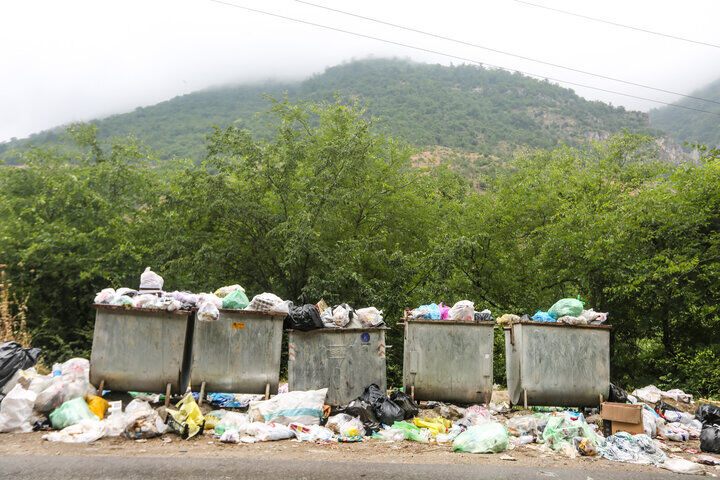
[97, 405]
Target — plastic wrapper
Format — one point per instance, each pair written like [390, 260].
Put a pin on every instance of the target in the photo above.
[81, 432]
[462, 311]
[16, 410]
[71, 412]
[486, 438]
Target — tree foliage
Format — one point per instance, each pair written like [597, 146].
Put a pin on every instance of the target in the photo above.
[329, 206]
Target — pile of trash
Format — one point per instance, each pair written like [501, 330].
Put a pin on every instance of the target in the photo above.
[462, 311]
[570, 311]
[304, 317]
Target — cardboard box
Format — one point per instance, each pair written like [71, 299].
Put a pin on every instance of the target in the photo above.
[622, 417]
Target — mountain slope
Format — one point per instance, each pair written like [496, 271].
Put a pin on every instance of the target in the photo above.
[688, 125]
[487, 113]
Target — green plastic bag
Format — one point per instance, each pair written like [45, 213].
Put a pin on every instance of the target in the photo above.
[486, 438]
[571, 307]
[236, 300]
[561, 430]
[412, 432]
[71, 412]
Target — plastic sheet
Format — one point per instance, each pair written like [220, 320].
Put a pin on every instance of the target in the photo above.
[623, 447]
[82, 432]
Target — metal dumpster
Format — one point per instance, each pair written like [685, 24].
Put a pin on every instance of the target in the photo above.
[345, 360]
[448, 360]
[556, 364]
[139, 349]
[238, 353]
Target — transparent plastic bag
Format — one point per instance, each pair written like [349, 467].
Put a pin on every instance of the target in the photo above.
[370, 317]
[71, 412]
[208, 312]
[104, 295]
[486, 438]
[81, 432]
[345, 425]
[150, 280]
[462, 311]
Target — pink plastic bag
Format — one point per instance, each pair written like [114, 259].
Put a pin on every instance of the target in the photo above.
[444, 311]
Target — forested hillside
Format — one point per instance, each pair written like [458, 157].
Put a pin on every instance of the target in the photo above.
[484, 113]
[689, 125]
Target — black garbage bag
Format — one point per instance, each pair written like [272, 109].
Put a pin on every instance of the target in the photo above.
[708, 414]
[372, 394]
[303, 318]
[617, 394]
[407, 403]
[526, 318]
[388, 412]
[14, 357]
[482, 317]
[366, 414]
[662, 407]
[710, 439]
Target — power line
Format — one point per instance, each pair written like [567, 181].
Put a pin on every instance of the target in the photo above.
[508, 53]
[457, 57]
[594, 19]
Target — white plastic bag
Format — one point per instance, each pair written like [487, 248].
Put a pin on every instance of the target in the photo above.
[268, 432]
[680, 465]
[370, 317]
[146, 300]
[16, 410]
[209, 298]
[303, 407]
[105, 295]
[22, 377]
[267, 302]
[649, 394]
[313, 433]
[138, 406]
[208, 312]
[83, 432]
[462, 311]
[150, 280]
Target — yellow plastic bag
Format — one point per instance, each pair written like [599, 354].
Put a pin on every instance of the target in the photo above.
[97, 405]
[435, 425]
[188, 414]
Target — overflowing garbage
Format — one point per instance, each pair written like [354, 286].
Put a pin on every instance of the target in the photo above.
[569, 311]
[207, 306]
[462, 311]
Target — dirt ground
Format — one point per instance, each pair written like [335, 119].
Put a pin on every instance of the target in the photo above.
[367, 451]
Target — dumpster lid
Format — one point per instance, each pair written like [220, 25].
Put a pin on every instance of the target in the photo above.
[251, 312]
[454, 322]
[125, 308]
[561, 325]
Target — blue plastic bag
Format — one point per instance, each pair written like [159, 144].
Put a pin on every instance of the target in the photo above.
[433, 311]
[541, 316]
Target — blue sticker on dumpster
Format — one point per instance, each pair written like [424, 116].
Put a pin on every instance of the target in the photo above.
[365, 337]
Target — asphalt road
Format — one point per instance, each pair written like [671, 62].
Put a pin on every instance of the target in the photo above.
[129, 468]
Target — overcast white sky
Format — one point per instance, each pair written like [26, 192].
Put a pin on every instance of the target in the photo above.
[63, 61]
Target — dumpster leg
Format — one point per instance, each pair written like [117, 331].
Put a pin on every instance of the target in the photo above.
[167, 395]
[412, 392]
[267, 391]
[101, 387]
[202, 394]
[601, 399]
[525, 398]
